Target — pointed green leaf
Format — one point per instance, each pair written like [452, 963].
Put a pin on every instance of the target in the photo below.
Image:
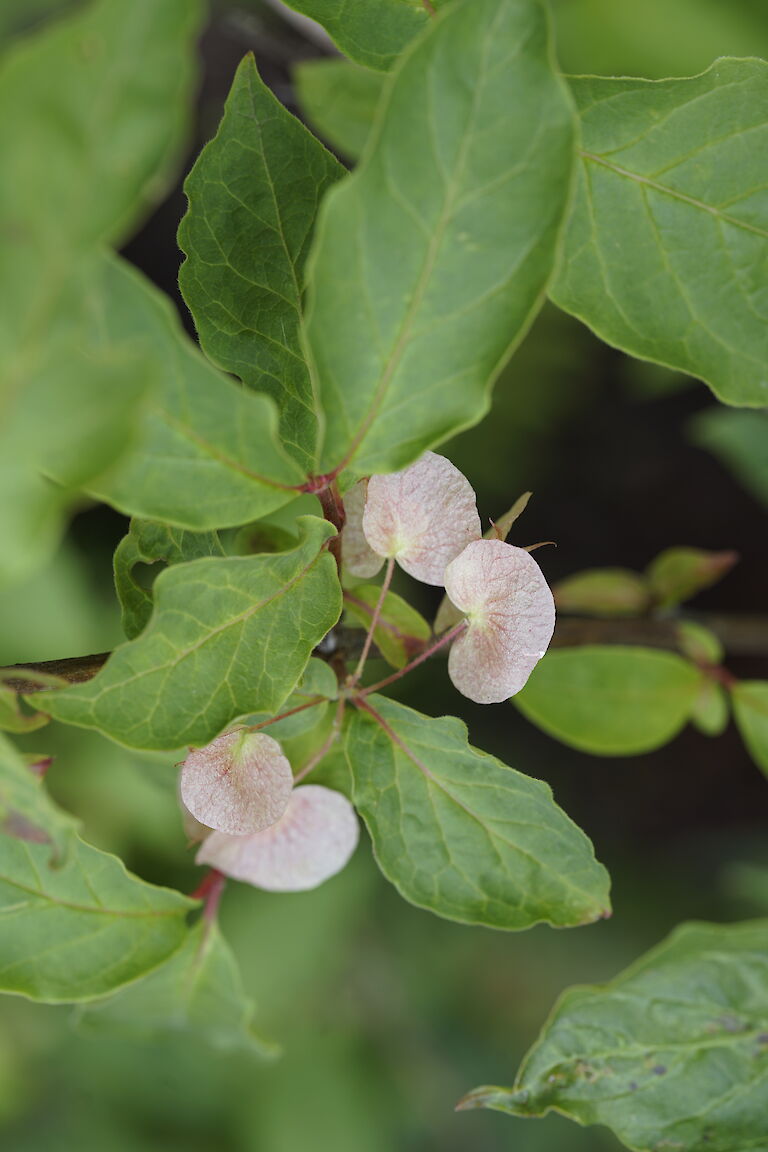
[253, 196]
[459, 833]
[739, 440]
[750, 710]
[373, 32]
[676, 574]
[401, 632]
[197, 992]
[227, 637]
[671, 1055]
[150, 542]
[610, 701]
[340, 100]
[80, 929]
[431, 258]
[206, 454]
[602, 592]
[665, 251]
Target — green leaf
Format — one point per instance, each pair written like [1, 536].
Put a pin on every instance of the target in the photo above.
[81, 929]
[738, 439]
[119, 78]
[401, 632]
[227, 637]
[253, 196]
[26, 810]
[197, 992]
[679, 573]
[602, 592]
[672, 1054]
[206, 454]
[67, 409]
[372, 32]
[459, 833]
[340, 100]
[318, 679]
[610, 701]
[430, 260]
[13, 718]
[85, 154]
[710, 709]
[698, 643]
[665, 251]
[150, 542]
[750, 710]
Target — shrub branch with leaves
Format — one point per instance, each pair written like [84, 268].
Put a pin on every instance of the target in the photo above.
[350, 322]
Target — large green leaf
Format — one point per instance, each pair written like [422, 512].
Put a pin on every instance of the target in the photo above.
[100, 112]
[740, 440]
[151, 542]
[459, 833]
[665, 251]
[750, 710]
[432, 257]
[373, 32]
[611, 701]
[227, 636]
[253, 196]
[197, 992]
[340, 100]
[672, 1054]
[206, 453]
[99, 105]
[81, 928]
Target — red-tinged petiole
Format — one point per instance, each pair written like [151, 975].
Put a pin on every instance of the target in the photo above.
[210, 892]
[445, 639]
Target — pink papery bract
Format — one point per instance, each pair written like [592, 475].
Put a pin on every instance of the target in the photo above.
[510, 619]
[311, 842]
[358, 556]
[424, 516]
[238, 784]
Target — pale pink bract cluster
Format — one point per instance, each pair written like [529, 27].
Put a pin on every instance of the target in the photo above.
[239, 799]
[425, 517]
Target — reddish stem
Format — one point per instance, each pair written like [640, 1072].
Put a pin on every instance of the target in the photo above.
[333, 511]
[446, 638]
[209, 891]
[283, 715]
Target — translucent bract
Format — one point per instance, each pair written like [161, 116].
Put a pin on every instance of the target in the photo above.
[510, 616]
[311, 842]
[358, 556]
[424, 516]
[238, 784]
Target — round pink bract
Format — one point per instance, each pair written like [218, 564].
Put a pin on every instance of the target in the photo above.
[510, 619]
[424, 516]
[311, 842]
[358, 556]
[238, 784]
